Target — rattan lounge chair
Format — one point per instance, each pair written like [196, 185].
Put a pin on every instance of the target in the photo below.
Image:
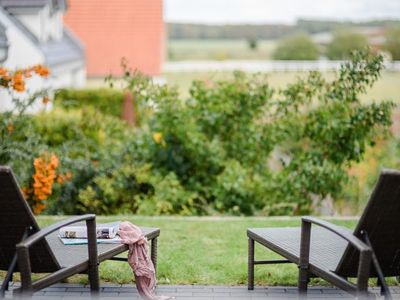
[335, 253]
[27, 249]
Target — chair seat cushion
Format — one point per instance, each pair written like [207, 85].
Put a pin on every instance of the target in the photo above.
[326, 248]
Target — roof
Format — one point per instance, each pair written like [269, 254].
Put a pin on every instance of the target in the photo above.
[55, 52]
[13, 6]
[54, 4]
[66, 50]
[3, 36]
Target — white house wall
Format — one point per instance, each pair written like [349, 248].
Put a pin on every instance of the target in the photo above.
[56, 27]
[33, 22]
[22, 53]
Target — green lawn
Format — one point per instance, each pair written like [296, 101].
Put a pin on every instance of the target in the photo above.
[218, 50]
[208, 250]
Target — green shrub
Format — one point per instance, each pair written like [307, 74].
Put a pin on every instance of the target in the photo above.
[392, 43]
[107, 101]
[87, 142]
[220, 142]
[343, 43]
[296, 47]
[80, 139]
[85, 131]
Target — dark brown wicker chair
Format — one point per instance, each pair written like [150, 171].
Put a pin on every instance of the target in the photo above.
[27, 249]
[335, 253]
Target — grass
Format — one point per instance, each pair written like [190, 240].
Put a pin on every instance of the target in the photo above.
[208, 250]
[218, 50]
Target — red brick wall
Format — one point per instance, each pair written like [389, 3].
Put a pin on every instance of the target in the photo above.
[112, 29]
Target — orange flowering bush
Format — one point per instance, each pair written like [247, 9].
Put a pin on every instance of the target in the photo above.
[19, 143]
[44, 177]
[14, 82]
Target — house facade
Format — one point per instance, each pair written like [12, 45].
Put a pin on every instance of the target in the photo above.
[35, 34]
[112, 30]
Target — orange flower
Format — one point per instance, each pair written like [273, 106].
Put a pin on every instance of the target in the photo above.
[3, 71]
[41, 70]
[39, 208]
[45, 100]
[10, 128]
[60, 179]
[28, 73]
[43, 179]
[16, 80]
[26, 192]
[19, 86]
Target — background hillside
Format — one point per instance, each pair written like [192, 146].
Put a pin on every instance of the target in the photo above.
[265, 31]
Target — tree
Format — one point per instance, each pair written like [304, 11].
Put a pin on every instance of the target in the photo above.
[392, 43]
[343, 43]
[296, 47]
[253, 43]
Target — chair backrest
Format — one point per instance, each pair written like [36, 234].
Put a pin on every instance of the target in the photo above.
[16, 217]
[381, 221]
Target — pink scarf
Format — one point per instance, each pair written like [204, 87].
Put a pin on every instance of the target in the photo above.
[139, 260]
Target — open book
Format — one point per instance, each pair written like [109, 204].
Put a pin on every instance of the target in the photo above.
[77, 235]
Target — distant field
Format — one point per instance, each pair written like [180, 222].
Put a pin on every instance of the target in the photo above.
[218, 50]
[388, 87]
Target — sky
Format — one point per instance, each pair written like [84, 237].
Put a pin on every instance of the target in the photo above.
[277, 11]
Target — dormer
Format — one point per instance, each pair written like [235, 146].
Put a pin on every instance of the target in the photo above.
[43, 18]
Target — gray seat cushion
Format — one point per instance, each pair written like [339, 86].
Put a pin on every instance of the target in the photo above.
[325, 252]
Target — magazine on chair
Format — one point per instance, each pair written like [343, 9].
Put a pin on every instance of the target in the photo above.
[77, 235]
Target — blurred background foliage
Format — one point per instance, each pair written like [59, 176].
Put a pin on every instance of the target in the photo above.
[232, 146]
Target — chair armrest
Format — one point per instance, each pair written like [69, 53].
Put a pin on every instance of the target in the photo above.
[24, 263]
[50, 229]
[353, 240]
[364, 261]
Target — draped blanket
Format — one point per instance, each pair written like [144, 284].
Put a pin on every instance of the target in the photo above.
[140, 261]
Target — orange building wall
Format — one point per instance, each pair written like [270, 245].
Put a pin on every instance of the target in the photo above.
[112, 29]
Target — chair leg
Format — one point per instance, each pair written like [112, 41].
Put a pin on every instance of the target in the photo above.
[93, 270]
[379, 283]
[94, 280]
[303, 281]
[154, 253]
[250, 265]
[9, 276]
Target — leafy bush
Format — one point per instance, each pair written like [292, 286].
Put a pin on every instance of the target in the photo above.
[79, 139]
[343, 43]
[240, 146]
[296, 47]
[107, 101]
[392, 43]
